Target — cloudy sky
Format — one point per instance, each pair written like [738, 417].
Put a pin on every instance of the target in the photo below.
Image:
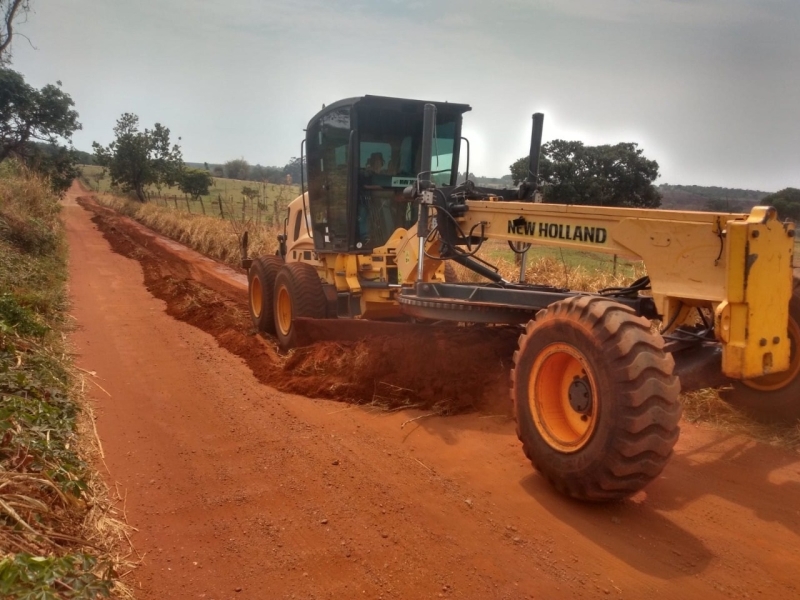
[709, 88]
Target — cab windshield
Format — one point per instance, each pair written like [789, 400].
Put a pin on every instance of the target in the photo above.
[390, 144]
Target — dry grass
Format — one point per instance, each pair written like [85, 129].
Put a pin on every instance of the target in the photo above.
[573, 270]
[706, 406]
[212, 236]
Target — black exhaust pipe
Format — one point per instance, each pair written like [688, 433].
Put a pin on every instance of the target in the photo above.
[528, 187]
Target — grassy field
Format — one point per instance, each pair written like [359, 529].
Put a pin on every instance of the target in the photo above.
[224, 199]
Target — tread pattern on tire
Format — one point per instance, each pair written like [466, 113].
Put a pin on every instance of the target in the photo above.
[307, 296]
[647, 394]
[267, 268]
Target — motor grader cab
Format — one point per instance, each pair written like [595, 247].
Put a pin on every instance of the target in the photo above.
[595, 386]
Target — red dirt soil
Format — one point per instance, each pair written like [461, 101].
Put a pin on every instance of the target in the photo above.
[238, 490]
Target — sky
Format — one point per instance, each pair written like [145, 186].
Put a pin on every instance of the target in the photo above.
[708, 88]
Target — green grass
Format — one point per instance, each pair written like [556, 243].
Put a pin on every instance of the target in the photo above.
[45, 489]
[227, 192]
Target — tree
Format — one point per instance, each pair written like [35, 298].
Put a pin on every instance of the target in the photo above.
[293, 168]
[58, 163]
[30, 115]
[250, 193]
[237, 169]
[167, 161]
[572, 173]
[270, 174]
[195, 182]
[11, 10]
[136, 158]
[787, 201]
[718, 205]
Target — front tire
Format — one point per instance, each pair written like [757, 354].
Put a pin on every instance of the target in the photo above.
[774, 397]
[260, 288]
[595, 399]
[298, 293]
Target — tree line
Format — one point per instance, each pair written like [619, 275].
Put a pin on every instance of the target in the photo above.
[239, 168]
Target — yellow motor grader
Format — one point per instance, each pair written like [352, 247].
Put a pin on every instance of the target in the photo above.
[595, 384]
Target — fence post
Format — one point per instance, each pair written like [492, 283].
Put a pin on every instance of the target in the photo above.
[175, 200]
[202, 206]
[221, 212]
[188, 206]
[615, 265]
[275, 213]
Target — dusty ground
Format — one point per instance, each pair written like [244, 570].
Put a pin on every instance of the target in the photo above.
[242, 491]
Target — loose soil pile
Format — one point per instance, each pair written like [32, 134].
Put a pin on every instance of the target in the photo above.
[444, 368]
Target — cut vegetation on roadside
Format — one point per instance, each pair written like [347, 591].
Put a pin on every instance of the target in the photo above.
[58, 530]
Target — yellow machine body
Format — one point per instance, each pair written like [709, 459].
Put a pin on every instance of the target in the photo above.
[737, 265]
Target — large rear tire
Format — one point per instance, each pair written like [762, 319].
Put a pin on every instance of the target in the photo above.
[298, 293]
[260, 288]
[774, 397]
[595, 398]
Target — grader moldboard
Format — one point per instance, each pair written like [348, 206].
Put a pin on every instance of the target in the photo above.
[594, 385]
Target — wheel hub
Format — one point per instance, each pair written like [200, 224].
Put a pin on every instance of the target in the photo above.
[562, 397]
[580, 395]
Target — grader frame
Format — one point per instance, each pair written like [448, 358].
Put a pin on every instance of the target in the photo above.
[594, 387]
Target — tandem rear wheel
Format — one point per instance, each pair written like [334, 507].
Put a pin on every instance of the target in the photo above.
[260, 288]
[298, 293]
[595, 398]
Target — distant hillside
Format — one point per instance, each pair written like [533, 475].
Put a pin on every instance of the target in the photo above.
[698, 197]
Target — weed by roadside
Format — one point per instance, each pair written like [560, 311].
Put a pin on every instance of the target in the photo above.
[49, 543]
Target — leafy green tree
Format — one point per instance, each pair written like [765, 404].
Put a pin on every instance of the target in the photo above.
[30, 115]
[237, 168]
[33, 123]
[250, 193]
[573, 173]
[58, 163]
[787, 201]
[270, 174]
[294, 168]
[195, 182]
[136, 158]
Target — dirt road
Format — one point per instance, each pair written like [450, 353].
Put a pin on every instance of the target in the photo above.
[241, 491]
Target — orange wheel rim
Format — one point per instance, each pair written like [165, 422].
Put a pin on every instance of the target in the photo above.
[778, 381]
[256, 296]
[562, 396]
[284, 310]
